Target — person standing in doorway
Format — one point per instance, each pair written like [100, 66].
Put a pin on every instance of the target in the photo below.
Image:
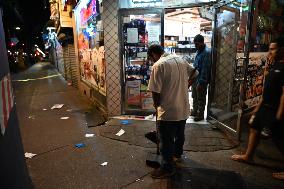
[169, 81]
[202, 63]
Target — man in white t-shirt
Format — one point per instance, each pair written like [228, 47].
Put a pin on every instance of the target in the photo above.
[170, 78]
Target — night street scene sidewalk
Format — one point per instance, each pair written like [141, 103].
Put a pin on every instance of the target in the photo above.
[77, 110]
[60, 164]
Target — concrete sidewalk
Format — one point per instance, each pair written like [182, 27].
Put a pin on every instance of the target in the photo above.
[59, 164]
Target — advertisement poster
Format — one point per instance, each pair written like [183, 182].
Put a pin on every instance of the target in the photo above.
[153, 34]
[92, 64]
[132, 35]
[133, 93]
[255, 78]
[91, 54]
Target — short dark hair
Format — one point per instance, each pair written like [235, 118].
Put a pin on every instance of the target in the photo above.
[198, 38]
[156, 49]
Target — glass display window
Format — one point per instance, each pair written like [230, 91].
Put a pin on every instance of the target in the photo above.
[91, 45]
[138, 32]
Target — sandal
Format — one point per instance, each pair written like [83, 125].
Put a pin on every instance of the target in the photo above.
[242, 159]
[279, 176]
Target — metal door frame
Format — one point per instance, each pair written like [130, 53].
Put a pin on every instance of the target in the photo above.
[236, 133]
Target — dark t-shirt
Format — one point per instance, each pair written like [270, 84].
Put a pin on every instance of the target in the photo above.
[274, 82]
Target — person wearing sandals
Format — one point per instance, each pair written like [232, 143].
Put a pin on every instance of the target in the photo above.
[270, 110]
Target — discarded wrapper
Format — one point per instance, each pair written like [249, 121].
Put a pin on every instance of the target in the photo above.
[104, 164]
[121, 132]
[29, 155]
[64, 118]
[125, 122]
[80, 145]
[57, 106]
[89, 135]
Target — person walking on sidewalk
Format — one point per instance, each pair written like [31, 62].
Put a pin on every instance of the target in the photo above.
[202, 63]
[270, 110]
[266, 132]
[170, 77]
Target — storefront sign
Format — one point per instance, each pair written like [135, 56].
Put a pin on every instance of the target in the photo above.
[159, 3]
[146, 1]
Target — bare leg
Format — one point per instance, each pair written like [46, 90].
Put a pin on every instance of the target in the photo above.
[252, 144]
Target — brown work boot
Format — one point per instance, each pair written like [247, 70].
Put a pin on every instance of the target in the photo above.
[161, 173]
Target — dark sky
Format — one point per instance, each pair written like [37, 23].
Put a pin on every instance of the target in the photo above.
[30, 15]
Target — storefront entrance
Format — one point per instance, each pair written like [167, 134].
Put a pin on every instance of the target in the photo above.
[237, 74]
[139, 29]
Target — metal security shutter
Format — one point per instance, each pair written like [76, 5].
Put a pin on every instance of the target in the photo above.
[71, 68]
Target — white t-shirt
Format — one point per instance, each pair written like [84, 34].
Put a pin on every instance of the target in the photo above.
[169, 77]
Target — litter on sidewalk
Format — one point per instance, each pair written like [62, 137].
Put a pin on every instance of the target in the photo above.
[104, 164]
[57, 106]
[29, 155]
[135, 117]
[89, 135]
[120, 132]
[31, 117]
[64, 118]
[80, 145]
[44, 109]
[125, 122]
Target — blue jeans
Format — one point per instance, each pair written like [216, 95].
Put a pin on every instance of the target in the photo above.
[171, 140]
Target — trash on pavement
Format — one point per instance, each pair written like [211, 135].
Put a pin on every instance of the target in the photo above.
[57, 106]
[125, 122]
[121, 132]
[31, 117]
[29, 155]
[104, 164]
[64, 118]
[44, 109]
[89, 135]
[150, 117]
[80, 145]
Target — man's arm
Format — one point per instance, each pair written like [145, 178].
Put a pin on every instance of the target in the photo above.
[156, 99]
[280, 110]
[205, 71]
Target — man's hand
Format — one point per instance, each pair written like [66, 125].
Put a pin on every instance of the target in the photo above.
[156, 99]
[190, 82]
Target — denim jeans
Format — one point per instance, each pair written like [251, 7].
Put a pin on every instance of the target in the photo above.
[171, 140]
[199, 99]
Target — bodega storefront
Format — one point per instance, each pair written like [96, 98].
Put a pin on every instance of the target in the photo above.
[89, 43]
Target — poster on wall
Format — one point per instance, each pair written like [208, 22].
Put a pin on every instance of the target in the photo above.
[91, 53]
[255, 78]
[92, 67]
[132, 35]
[153, 34]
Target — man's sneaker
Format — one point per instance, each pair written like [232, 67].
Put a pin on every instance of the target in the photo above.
[161, 173]
[198, 118]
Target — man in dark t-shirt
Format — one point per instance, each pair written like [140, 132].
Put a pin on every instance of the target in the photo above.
[270, 110]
